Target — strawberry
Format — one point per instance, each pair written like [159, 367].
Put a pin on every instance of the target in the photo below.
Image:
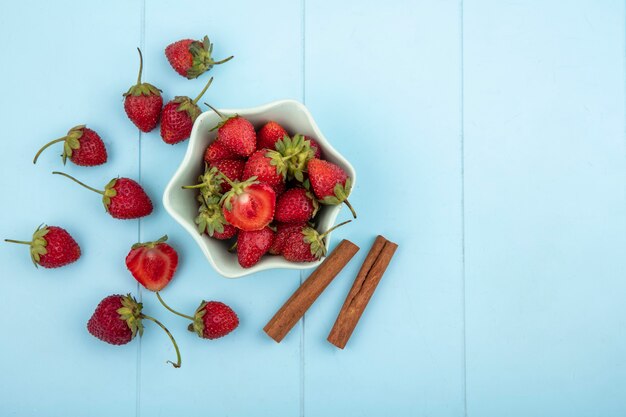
[212, 319]
[152, 264]
[269, 134]
[269, 168]
[51, 247]
[178, 117]
[251, 246]
[122, 197]
[235, 133]
[296, 205]
[192, 58]
[143, 102]
[216, 151]
[317, 149]
[229, 232]
[82, 145]
[233, 169]
[117, 320]
[330, 183]
[306, 244]
[282, 231]
[211, 221]
[249, 205]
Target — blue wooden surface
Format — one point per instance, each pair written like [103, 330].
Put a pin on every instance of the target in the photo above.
[499, 126]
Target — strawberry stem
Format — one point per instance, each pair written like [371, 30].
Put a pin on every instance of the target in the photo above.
[46, 145]
[333, 228]
[347, 203]
[178, 361]
[140, 66]
[171, 309]
[76, 181]
[21, 242]
[215, 110]
[191, 187]
[223, 60]
[206, 87]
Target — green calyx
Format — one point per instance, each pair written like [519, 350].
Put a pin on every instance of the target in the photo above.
[210, 218]
[142, 89]
[296, 153]
[278, 161]
[190, 106]
[130, 312]
[71, 142]
[341, 193]
[198, 321]
[149, 245]
[37, 245]
[209, 184]
[187, 105]
[109, 192]
[237, 189]
[316, 240]
[202, 60]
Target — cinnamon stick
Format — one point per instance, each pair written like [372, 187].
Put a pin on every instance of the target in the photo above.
[362, 290]
[295, 307]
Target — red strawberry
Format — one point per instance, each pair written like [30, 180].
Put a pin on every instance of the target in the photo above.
[317, 149]
[251, 246]
[211, 320]
[229, 232]
[269, 134]
[330, 183]
[143, 103]
[122, 197]
[249, 205]
[216, 151]
[51, 247]
[232, 168]
[296, 205]
[117, 320]
[268, 166]
[235, 133]
[82, 145]
[282, 231]
[306, 245]
[152, 264]
[192, 58]
[178, 117]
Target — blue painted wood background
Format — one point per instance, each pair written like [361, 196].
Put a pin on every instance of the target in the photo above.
[489, 138]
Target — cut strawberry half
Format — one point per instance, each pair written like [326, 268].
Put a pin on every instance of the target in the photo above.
[249, 205]
[152, 264]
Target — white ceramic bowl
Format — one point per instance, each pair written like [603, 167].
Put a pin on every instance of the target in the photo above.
[182, 205]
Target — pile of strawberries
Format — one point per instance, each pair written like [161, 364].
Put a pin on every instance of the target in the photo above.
[264, 188]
